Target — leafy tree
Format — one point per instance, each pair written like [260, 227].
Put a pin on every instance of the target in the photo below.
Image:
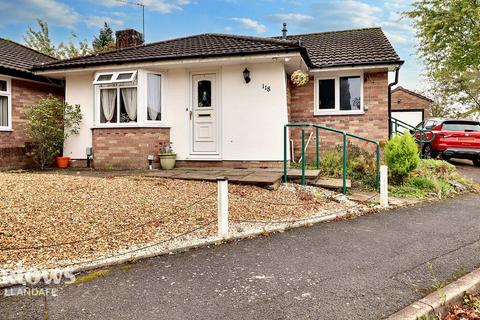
[448, 33]
[105, 40]
[49, 123]
[40, 41]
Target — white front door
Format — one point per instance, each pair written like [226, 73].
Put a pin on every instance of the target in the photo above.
[204, 115]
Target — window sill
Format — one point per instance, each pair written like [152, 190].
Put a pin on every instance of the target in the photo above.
[6, 130]
[131, 126]
[339, 113]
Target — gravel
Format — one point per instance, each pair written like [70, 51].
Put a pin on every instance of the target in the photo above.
[99, 216]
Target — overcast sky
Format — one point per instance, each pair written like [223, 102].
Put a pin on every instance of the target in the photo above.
[166, 19]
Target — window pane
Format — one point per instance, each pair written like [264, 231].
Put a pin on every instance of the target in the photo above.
[154, 97]
[108, 105]
[350, 93]
[105, 77]
[326, 94]
[128, 105]
[124, 76]
[204, 93]
[3, 111]
[3, 85]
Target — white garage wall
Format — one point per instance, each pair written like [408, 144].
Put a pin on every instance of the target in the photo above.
[413, 118]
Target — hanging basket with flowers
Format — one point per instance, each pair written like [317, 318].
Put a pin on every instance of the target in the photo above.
[299, 78]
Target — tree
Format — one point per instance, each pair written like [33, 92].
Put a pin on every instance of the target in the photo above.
[49, 123]
[40, 41]
[448, 33]
[105, 40]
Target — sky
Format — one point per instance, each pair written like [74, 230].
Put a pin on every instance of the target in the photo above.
[166, 19]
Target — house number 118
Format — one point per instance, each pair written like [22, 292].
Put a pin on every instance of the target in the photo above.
[266, 87]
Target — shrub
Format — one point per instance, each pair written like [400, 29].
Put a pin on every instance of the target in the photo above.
[49, 123]
[402, 156]
[361, 164]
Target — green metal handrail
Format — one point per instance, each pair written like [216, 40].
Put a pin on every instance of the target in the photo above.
[422, 133]
[322, 127]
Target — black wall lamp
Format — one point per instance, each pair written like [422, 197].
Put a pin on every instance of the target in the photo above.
[246, 75]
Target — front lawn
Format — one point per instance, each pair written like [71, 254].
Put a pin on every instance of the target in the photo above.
[97, 216]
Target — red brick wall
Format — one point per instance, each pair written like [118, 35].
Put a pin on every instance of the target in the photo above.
[127, 148]
[373, 124]
[403, 100]
[12, 144]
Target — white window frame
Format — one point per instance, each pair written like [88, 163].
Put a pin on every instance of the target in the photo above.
[162, 98]
[142, 88]
[336, 111]
[118, 123]
[7, 94]
[114, 77]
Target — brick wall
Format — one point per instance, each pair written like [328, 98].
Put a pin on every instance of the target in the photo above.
[12, 144]
[406, 100]
[373, 124]
[127, 148]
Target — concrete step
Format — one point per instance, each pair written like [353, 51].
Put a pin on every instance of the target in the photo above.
[294, 174]
[331, 183]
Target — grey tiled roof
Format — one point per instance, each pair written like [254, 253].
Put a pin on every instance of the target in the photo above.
[348, 47]
[17, 57]
[326, 49]
[199, 46]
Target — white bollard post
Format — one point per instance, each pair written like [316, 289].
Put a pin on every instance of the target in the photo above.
[384, 186]
[222, 205]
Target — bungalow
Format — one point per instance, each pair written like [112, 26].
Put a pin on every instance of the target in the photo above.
[20, 88]
[222, 100]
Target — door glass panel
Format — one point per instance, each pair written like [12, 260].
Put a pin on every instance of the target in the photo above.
[204, 93]
[3, 85]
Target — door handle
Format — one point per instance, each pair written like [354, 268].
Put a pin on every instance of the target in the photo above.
[190, 113]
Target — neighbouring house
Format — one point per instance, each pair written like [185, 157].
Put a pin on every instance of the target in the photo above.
[222, 100]
[20, 88]
[409, 106]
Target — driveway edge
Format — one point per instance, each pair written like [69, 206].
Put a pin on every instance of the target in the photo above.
[438, 301]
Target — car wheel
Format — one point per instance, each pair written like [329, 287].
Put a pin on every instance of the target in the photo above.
[476, 162]
[427, 151]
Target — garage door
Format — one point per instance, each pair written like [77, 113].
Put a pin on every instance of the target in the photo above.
[411, 117]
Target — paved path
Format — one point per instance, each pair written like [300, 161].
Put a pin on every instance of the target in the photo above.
[367, 268]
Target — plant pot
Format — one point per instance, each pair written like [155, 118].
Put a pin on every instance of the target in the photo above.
[167, 160]
[62, 162]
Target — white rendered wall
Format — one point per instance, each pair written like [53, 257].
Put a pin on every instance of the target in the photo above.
[79, 90]
[251, 117]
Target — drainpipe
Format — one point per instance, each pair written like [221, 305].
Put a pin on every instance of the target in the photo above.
[390, 85]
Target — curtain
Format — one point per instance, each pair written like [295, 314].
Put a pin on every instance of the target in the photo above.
[154, 96]
[129, 96]
[108, 99]
[3, 111]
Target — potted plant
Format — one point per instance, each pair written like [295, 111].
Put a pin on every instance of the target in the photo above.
[167, 157]
[49, 123]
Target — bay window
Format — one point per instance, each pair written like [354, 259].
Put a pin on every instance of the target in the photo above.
[338, 95]
[5, 104]
[128, 98]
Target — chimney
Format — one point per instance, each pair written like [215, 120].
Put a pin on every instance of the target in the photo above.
[284, 31]
[128, 38]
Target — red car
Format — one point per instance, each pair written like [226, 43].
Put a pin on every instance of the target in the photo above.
[452, 139]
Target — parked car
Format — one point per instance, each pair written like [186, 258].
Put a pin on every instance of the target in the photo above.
[451, 139]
